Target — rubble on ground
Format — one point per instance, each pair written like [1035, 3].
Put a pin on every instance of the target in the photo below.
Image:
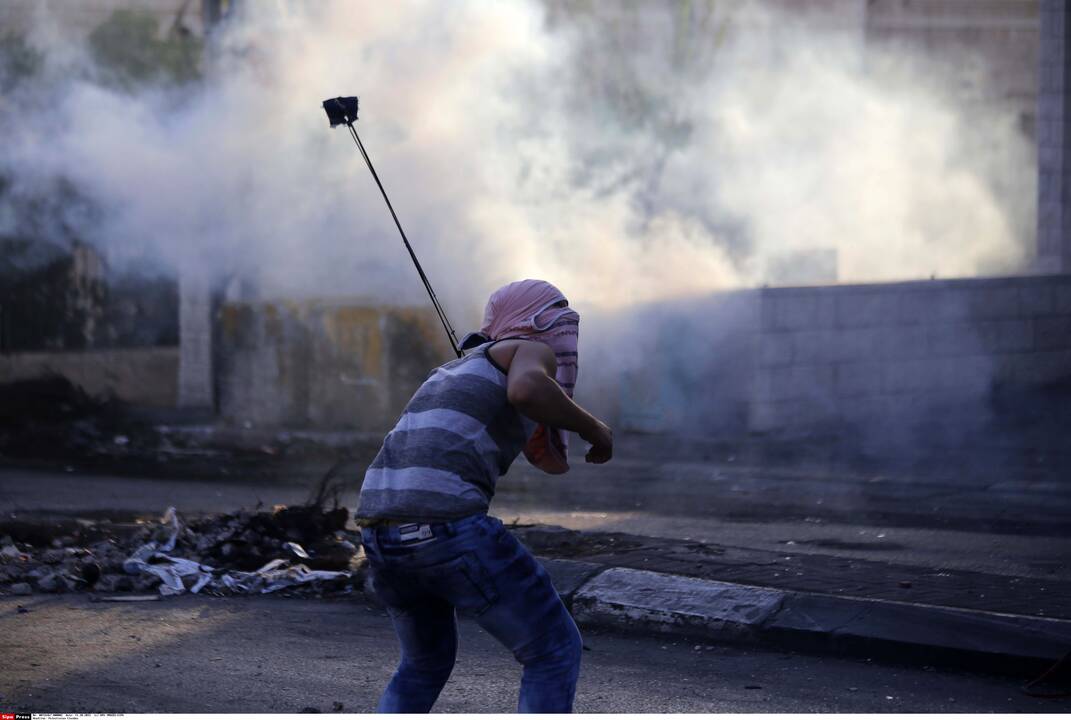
[303, 550]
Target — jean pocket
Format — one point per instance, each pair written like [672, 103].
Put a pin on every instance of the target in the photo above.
[464, 582]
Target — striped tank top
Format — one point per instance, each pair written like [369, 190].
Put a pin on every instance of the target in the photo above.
[456, 437]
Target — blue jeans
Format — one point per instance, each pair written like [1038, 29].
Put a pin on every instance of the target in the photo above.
[474, 565]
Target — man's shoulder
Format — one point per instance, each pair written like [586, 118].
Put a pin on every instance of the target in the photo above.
[504, 352]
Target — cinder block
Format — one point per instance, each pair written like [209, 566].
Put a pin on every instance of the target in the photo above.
[813, 346]
[1041, 368]
[801, 310]
[908, 376]
[971, 374]
[1005, 367]
[1052, 333]
[781, 384]
[997, 336]
[811, 381]
[1037, 299]
[857, 379]
[797, 313]
[775, 384]
[916, 306]
[950, 305]
[1062, 298]
[866, 409]
[861, 309]
[992, 301]
[907, 410]
[825, 310]
[775, 349]
[953, 339]
[769, 416]
[903, 342]
[767, 313]
[762, 385]
[855, 344]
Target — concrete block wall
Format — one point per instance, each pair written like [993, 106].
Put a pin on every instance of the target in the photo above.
[323, 365]
[904, 351]
[1053, 132]
[146, 377]
[674, 366]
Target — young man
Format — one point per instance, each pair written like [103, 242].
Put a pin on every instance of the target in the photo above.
[431, 546]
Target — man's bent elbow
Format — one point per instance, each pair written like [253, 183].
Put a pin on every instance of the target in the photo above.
[523, 393]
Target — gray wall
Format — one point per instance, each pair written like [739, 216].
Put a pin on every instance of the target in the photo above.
[906, 354]
[1053, 131]
[323, 364]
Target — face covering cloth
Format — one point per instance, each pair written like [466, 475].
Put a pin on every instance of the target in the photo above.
[527, 309]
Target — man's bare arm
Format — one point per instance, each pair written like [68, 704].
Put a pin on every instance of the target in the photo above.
[531, 388]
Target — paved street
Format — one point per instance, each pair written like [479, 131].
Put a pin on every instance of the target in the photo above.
[1001, 527]
[273, 654]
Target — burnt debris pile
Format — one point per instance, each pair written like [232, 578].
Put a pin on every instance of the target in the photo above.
[304, 551]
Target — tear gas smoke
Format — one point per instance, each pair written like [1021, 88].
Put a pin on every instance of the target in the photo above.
[633, 154]
[622, 152]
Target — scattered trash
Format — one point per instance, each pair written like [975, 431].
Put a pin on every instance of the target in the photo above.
[297, 550]
[125, 598]
[304, 550]
[904, 583]
[90, 572]
[20, 609]
[337, 706]
[121, 440]
[310, 709]
[753, 687]
[277, 575]
[853, 689]
[51, 583]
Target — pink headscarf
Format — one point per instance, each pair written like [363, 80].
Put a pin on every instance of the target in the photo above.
[524, 309]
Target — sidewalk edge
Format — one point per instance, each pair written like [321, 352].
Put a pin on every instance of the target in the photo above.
[641, 600]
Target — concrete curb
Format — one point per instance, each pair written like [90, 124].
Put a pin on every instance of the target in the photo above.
[661, 603]
[632, 600]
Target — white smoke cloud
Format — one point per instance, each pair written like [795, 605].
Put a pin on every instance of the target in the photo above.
[672, 161]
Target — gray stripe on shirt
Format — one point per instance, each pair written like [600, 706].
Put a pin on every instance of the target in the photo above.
[431, 480]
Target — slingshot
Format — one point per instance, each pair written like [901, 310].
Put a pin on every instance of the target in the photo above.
[343, 111]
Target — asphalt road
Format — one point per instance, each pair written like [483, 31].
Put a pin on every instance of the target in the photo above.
[1010, 528]
[273, 654]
